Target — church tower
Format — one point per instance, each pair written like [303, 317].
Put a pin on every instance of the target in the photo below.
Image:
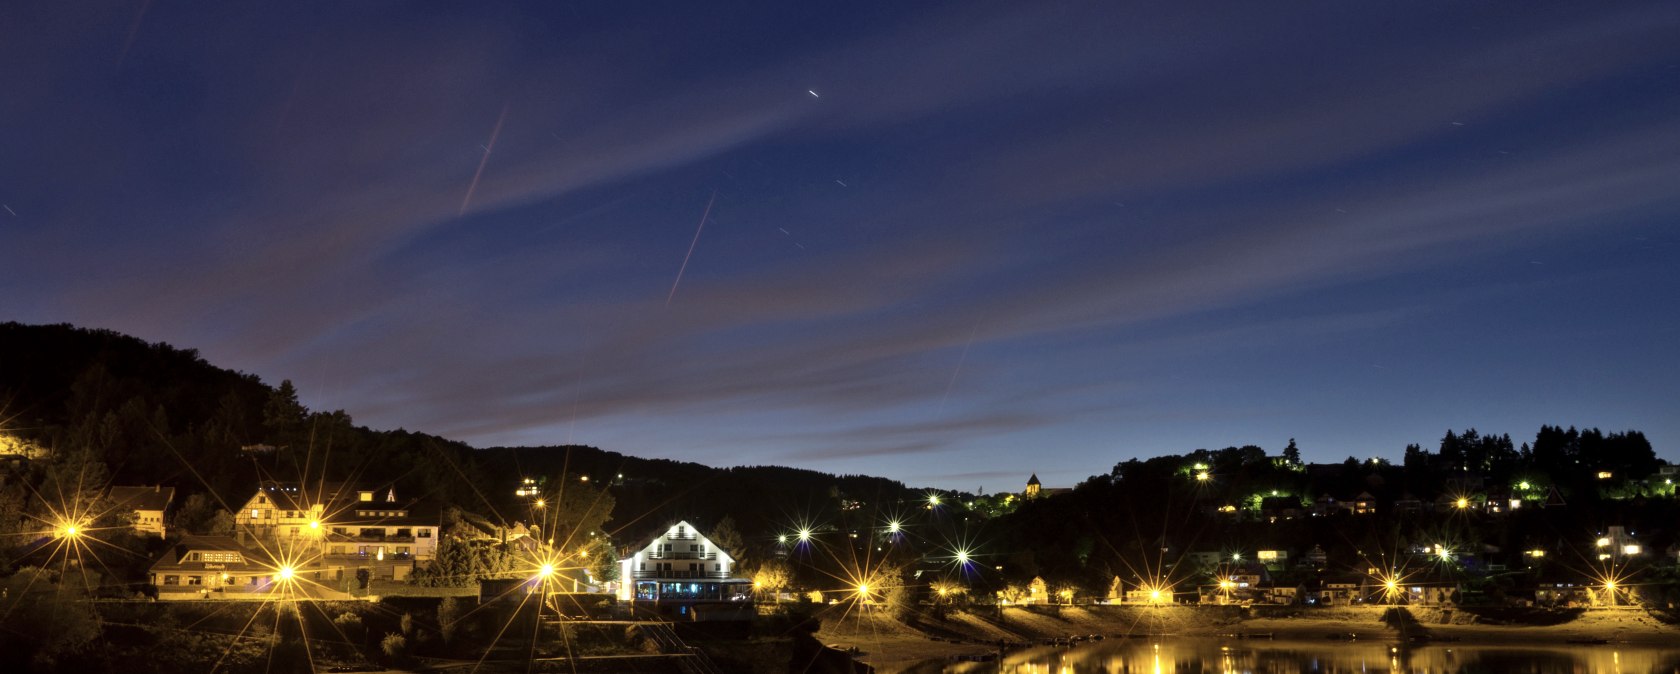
[1033, 487]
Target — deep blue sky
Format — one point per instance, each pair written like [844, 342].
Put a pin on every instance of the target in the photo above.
[950, 244]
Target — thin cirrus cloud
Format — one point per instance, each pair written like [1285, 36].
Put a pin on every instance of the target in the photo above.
[956, 214]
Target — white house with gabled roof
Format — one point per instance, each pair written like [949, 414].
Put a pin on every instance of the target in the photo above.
[681, 566]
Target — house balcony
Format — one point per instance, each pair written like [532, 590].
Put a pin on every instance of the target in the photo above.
[680, 537]
[361, 557]
[681, 575]
[370, 538]
[709, 556]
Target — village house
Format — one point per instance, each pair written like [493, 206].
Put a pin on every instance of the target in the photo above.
[345, 531]
[682, 573]
[199, 567]
[149, 504]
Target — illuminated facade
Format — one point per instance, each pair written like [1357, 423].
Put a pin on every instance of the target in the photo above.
[680, 568]
[345, 529]
[214, 567]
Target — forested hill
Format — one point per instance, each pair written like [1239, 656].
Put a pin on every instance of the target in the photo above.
[651, 493]
[154, 413]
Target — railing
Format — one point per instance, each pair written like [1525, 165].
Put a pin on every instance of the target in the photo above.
[683, 555]
[359, 555]
[371, 537]
[680, 537]
[681, 575]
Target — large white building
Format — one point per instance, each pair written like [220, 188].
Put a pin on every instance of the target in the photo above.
[344, 529]
[681, 567]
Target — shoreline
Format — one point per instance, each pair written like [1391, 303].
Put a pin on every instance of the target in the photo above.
[890, 645]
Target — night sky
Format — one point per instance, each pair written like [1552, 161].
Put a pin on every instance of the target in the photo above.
[950, 245]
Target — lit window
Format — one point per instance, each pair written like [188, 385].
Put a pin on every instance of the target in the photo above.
[1630, 549]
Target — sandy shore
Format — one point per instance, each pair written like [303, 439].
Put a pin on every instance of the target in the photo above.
[892, 646]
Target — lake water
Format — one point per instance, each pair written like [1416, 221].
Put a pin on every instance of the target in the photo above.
[1116, 656]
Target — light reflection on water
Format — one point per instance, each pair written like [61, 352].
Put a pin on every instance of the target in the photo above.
[1137, 656]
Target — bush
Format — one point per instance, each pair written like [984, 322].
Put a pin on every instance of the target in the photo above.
[450, 611]
[395, 647]
[350, 625]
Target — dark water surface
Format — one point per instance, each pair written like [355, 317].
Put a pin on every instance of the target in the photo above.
[1236, 657]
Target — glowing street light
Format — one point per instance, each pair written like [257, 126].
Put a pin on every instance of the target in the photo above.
[933, 500]
[545, 570]
[962, 557]
[893, 526]
[1202, 476]
[286, 573]
[1462, 503]
[804, 535]
[541, 503]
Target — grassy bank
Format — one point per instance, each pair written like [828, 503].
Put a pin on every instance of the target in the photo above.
[892, 645]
